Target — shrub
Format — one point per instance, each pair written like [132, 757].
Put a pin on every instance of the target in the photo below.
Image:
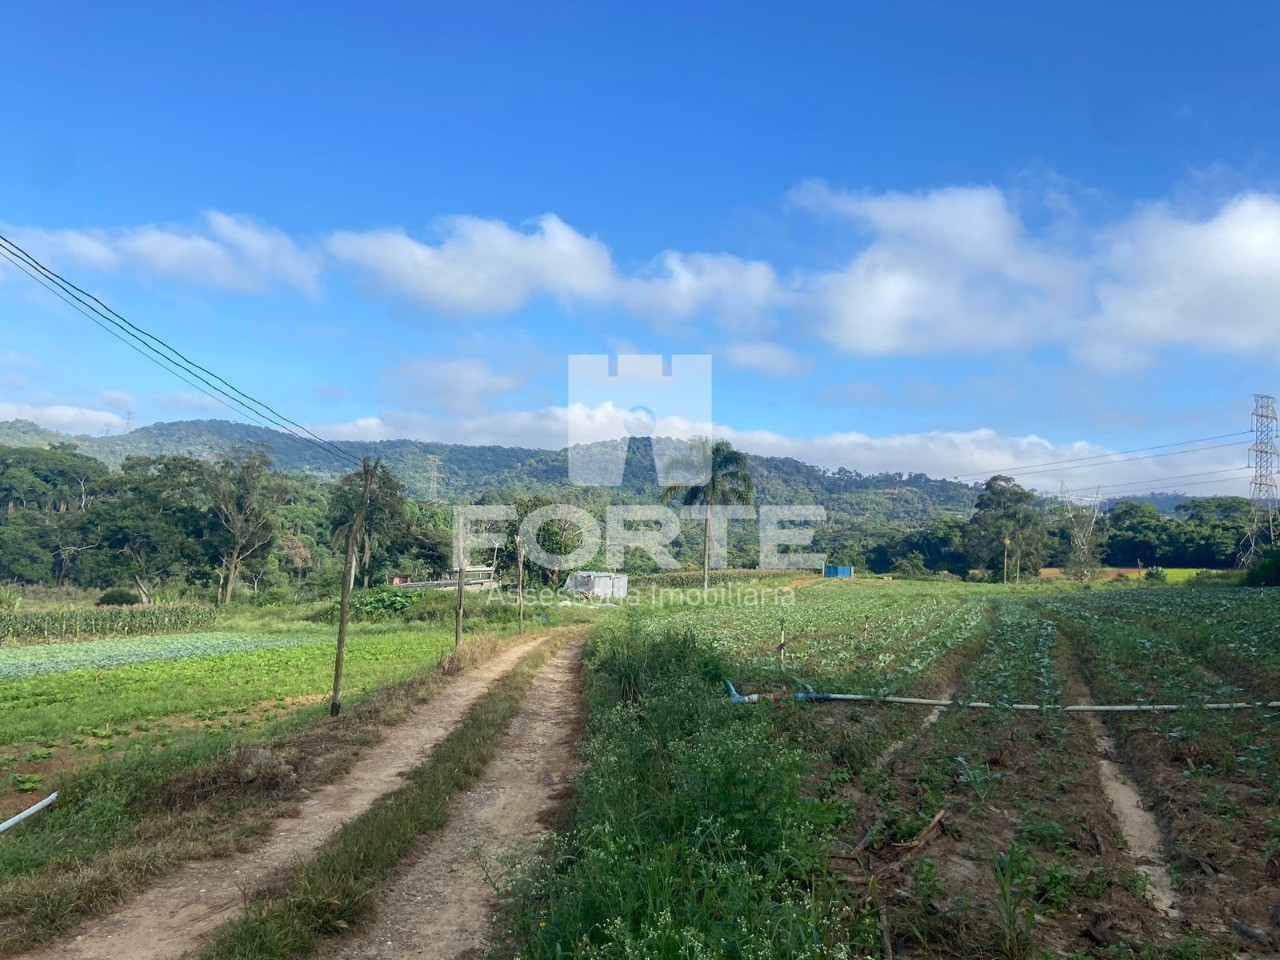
[1265, 571]
[1156, 575]
[118, 598]
[10, 599]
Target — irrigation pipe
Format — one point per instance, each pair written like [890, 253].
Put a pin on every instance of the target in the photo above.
[35, 808]
[808, 693]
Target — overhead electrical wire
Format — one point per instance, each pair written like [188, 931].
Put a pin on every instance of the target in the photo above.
[1154, 480]
[168, 357]
[1119, 456]
[1141, 490]
[76, 305]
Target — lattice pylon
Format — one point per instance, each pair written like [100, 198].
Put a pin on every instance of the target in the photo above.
[1262, 489]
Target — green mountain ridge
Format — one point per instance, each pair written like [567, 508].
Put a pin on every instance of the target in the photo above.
[469, 472]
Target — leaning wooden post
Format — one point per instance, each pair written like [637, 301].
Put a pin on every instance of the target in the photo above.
[354, 529]
[461, 562]
[520, 585]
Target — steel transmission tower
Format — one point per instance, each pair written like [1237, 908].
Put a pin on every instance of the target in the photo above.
[1082, 523]
[1262, 490]
[433, 479]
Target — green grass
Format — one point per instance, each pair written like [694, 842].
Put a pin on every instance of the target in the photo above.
[692, 837]
[61, 705]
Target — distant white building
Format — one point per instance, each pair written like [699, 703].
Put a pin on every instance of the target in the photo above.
[597, 585]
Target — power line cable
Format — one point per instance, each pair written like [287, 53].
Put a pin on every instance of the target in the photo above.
[1156, 480]
[1023, 470]
[1139, 491]
[110, 330]
[278, 422]
[76, 305]
[246, 404]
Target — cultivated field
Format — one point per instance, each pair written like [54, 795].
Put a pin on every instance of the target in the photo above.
[790, 828]
[780, 827]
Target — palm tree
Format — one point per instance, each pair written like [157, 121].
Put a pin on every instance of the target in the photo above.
[728, 481]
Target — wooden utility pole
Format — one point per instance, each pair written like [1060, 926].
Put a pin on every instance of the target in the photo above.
[1006, 559]
[462, 586]
[520, 585]
[354, 529]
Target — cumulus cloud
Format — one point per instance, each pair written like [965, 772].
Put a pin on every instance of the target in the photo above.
[232, 252]
[679, 286]
[1211, 283]
[486, 266]
[762, 356]
[455, 386]
[948, 270]
[539, 429]
[481, 266]
[957, 269]
[78, 420]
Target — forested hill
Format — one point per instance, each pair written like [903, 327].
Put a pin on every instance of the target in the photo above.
[467, 472]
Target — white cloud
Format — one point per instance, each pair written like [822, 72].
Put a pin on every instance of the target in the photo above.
[974, 455]
[764, 357]
[486, 266]
[679, 286]
[1209, 283]
[540, 429]
[482, 266]
[117, 399]
[232, 252]
[949, 270]
[456, 386]
[80, 420]
[957, 269]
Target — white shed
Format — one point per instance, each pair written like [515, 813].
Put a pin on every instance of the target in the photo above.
[597, 585]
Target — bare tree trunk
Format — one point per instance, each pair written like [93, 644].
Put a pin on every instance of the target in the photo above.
[348, 574]
[520, 585]
[144, 589]
[233, 572]
[461, 562]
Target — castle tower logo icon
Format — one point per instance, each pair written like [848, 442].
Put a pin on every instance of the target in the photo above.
[612, 399]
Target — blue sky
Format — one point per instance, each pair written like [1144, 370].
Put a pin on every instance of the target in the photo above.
[920, 236]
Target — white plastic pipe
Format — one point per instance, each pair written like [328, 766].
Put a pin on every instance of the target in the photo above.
[810, 694]
[36, 808]
[1073, 708]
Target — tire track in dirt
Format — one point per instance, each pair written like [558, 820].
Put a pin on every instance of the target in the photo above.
[441, 905]
[175, 915]
[1137, 824]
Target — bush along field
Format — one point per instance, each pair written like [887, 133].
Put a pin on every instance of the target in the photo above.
[789, 827]
[146, 738]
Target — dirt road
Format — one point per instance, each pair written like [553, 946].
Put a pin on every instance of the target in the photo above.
[440, 906]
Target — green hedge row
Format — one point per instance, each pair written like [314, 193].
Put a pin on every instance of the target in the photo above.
[43, 627]
[693, 578]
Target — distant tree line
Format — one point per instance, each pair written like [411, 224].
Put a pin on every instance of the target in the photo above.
[1011, 529]
[231, 525]
[214, 527]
